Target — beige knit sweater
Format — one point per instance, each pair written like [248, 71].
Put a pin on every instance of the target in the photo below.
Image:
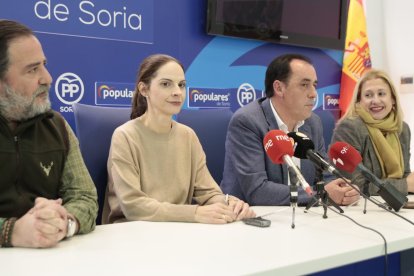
[156, 177]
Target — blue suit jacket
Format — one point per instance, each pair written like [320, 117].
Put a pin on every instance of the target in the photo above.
[248, 173]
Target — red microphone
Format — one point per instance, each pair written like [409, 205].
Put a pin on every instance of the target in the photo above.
[277, 144]
[279, 149]
[346, 157]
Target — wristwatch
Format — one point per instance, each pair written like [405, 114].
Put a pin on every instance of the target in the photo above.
[71, 228]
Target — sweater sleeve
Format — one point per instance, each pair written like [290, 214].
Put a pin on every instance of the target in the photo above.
[206, 190]
[124, 172]
[78, 190]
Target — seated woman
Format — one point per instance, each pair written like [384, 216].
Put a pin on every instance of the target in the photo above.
[374, 125]
[156, 166]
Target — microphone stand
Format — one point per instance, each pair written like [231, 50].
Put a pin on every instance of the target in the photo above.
[323, 196]
[366, 196]
[293, 192]
[365, 190]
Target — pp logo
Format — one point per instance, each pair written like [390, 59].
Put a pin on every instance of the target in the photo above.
[245, 94]
[69, 88]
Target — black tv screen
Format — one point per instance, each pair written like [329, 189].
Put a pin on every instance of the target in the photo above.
[310, 23]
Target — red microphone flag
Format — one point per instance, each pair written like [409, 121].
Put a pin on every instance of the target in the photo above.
[344, 156]
[277, 144]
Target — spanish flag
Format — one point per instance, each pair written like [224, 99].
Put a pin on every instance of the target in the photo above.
[356, 55]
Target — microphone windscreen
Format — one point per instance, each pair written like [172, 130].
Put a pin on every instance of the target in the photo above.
[344, 156]
[302, 144]
[277, 144]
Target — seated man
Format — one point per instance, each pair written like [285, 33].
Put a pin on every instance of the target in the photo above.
[46, 193]
[290, 85]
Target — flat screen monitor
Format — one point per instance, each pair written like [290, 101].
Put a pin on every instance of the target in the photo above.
[310, 23]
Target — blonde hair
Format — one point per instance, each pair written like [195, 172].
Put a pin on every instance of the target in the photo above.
[356, 98]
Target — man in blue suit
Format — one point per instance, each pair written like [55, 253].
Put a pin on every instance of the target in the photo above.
[249, 174]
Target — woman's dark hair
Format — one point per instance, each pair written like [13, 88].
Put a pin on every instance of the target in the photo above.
[147, 71]
[9, 30]
[279, 69]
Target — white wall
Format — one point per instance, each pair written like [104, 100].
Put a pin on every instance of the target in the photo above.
[390, 28]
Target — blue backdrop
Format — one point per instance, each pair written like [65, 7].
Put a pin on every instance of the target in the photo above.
[94, 49]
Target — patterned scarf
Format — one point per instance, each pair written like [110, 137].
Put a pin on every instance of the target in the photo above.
[384, 136]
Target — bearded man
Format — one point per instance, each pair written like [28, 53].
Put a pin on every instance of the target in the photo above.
[46, 192]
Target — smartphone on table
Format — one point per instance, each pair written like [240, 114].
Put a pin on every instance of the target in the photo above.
[257, 221]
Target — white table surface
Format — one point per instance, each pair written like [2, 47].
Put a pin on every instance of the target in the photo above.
[167, 248]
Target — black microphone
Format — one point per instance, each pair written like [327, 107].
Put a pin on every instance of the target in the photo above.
[347, 158]
[304, 149]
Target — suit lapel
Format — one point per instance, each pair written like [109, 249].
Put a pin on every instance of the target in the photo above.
[272, 124]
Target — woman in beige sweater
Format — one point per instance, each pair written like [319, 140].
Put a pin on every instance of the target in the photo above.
[157, 167]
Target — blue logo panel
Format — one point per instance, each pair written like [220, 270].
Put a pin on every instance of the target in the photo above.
[330, 101]
[114, 93]
[232, 98]
[209, 97]
[121, 20]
